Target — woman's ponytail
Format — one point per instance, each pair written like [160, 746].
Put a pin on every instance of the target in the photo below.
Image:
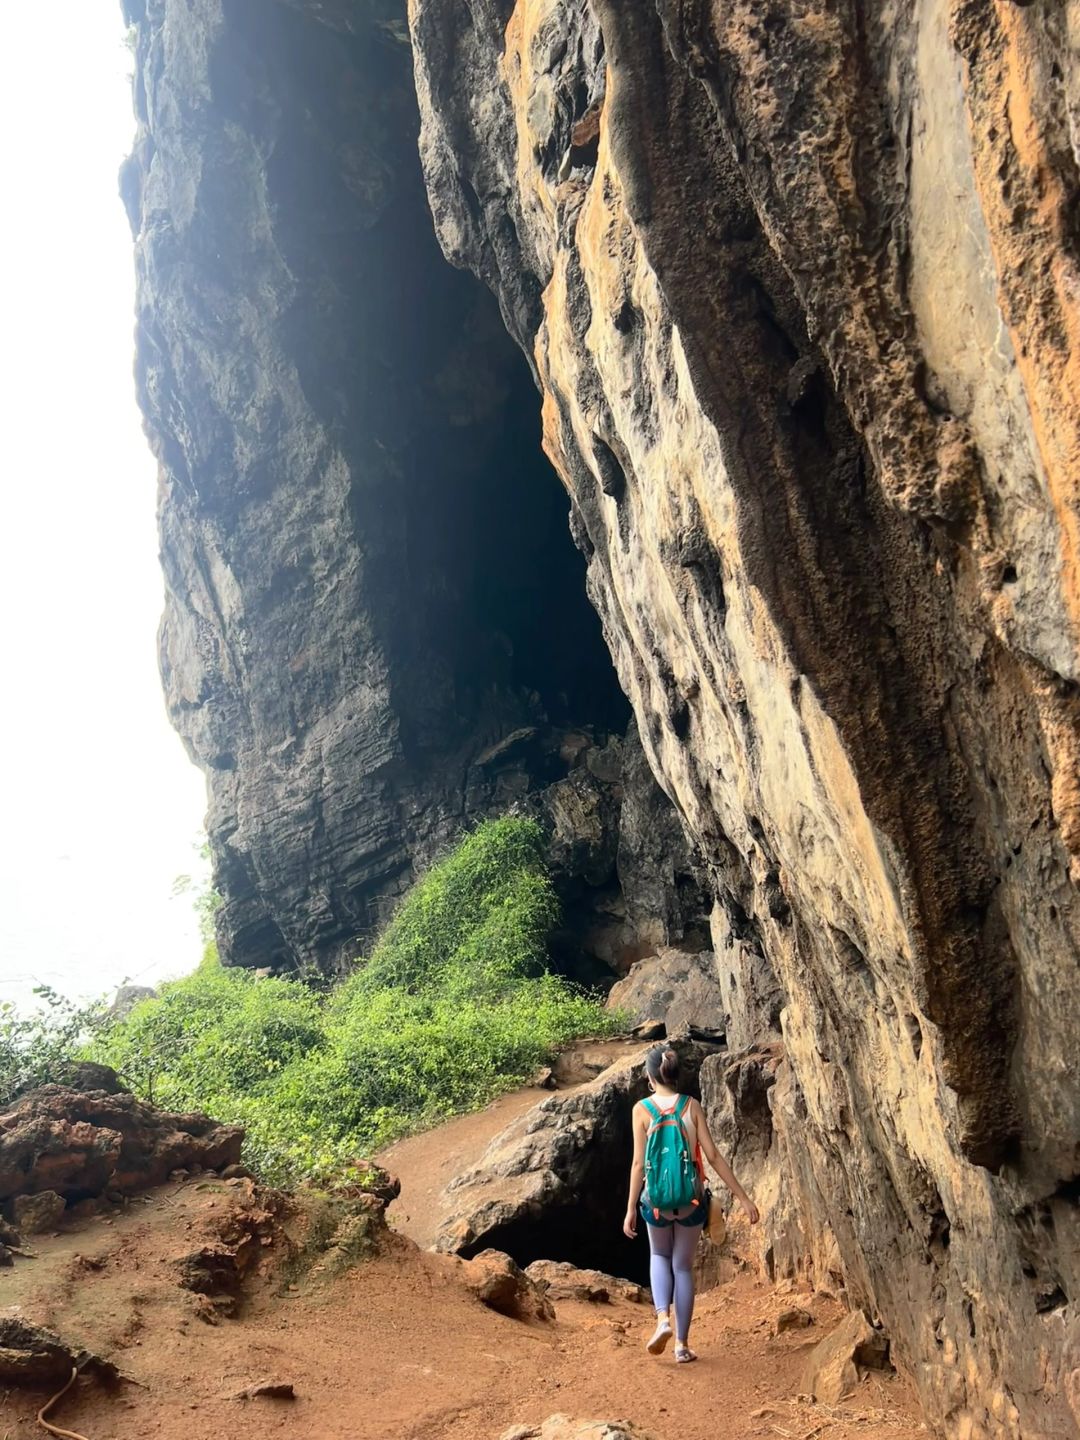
[662, 1064]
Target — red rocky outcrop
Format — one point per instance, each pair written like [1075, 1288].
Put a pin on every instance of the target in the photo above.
[83, 1143]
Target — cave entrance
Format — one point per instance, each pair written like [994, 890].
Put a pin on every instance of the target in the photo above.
[588, 1236]
[489, 537]
[587, 1230]
[590, 1158]
[484, 587]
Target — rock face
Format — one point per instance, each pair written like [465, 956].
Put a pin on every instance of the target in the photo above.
[679, 987]
[799, 284]
[80, 1144]
[801, 292]
[369, 577]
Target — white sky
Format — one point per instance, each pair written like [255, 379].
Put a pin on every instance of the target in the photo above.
[102, 808]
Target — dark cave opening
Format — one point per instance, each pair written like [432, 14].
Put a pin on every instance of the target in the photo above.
[586, 1230]
[590, 1237]
[592, 1168]
[522, 617]
[464, 523]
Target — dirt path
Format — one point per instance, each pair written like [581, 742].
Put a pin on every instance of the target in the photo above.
[400, 1349]
[425, 1164]
[397, 1346]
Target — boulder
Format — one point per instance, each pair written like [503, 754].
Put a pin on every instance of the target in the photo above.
[84, 1143]
[676, 987]
[794, 1319]
[367, 1177]
[561, 1427]
[36, 1214]
[214, 1271]
[561, 1281]
[268, 1390]
[650, 1030]
[89, 1075]
[554, 1182]
[30, 1355]
[236, 1172]
[580, 1063]
[832, 1367]
[500, 1283]
[127, 997]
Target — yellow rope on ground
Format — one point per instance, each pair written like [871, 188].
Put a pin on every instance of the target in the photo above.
[55, 1429]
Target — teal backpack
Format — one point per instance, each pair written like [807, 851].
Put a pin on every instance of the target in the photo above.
[671, 1176]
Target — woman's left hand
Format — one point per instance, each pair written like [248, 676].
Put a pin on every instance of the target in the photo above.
[751, 1209]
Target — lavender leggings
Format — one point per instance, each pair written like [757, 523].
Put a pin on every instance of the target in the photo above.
[671, 1263]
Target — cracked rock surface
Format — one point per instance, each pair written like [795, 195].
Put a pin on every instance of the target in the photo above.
[801, 290]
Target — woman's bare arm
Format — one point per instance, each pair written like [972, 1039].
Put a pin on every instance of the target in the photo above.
[720, 1165]
[640, 1122]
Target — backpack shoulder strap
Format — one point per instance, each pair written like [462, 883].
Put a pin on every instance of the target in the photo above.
[652, 1109]
[680, 1105]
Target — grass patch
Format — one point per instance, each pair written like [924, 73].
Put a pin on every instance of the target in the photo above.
[453, 1006]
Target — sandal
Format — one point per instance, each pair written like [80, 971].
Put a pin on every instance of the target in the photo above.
[684, 1355]
[657, 1344]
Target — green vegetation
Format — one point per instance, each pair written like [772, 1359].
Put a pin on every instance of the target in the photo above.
[40, 1048]
[453, 1006]
[207, 901]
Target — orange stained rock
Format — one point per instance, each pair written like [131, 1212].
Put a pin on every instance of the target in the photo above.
[1026, 204]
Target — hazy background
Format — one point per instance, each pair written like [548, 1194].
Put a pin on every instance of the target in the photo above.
[102, 808]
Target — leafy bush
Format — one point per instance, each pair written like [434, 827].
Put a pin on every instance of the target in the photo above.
[206, 901]
[453, 1006]
[40, 1048]
[215, 1033]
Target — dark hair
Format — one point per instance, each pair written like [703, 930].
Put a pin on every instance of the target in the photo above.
[663, 1066]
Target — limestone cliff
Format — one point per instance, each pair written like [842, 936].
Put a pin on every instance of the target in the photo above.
[799, 285]
[800, 282]
[376, 628]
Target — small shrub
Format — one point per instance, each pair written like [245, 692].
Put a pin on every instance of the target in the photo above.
[40, 1048]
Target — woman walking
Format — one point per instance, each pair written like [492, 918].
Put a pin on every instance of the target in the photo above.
[670, 1135]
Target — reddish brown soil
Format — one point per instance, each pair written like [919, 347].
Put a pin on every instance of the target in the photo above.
[397, 1347]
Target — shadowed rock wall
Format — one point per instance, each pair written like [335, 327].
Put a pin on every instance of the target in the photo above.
[800, 283]
[376, 628]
